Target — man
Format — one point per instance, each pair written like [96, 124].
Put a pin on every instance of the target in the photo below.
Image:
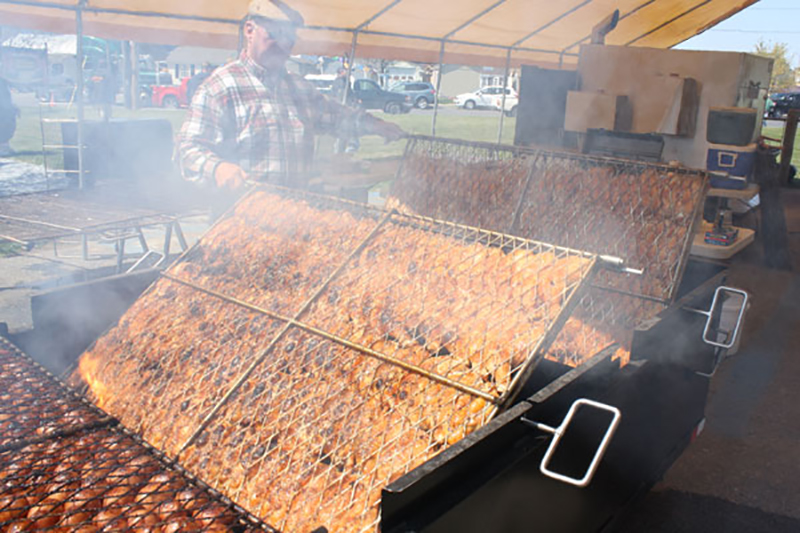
[253, 121]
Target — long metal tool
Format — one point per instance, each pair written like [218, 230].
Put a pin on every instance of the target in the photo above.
[263, 355]
[335, 338]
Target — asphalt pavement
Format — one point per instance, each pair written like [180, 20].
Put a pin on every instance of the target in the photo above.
[742, 475]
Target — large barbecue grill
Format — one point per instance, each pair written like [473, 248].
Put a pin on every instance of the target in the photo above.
[309, 351]
[331, 366]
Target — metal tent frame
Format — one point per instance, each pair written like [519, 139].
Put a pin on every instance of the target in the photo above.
[717, 9]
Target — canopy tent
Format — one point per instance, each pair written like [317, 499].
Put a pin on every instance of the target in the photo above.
[468, 32]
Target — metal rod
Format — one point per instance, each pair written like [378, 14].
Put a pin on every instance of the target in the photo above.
[697, 217]
[558, 18]
[338, 340]
[234, 22]
[26, 244]
[113, 11]
[436, 39]
[39, 223]
[615, 261]
[595, 159]
[636, 295]
[79, 85]
[475, 18]
[512, 228]
[44, 142]
[350, 62]
[503, 101]
[377, 15]
[546, 340]
[263, 355]
[439, 77]
[668, 22]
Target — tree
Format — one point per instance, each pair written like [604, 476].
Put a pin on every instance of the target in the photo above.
[783, 75]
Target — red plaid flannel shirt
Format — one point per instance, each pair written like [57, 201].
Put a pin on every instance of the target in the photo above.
[263, 122]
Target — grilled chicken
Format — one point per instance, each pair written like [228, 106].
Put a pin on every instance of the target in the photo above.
[318, 429]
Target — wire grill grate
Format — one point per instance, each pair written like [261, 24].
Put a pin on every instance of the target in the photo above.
[384, 338]
[103, 481]
[95, 476]
[643, 213]
[31, 406]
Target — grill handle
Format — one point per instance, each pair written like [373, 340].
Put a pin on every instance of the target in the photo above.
[558, 434]
[713, 316]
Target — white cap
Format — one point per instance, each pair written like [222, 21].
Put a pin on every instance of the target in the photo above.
[274, 10]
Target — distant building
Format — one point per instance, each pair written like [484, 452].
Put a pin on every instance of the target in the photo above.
[400, 71]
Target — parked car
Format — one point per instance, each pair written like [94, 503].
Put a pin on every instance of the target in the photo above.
[783, 103]
[509, 107]
[483, 98]
[422, 93]
[370, 95]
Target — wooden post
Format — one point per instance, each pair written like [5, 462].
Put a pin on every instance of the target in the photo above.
[789, 134]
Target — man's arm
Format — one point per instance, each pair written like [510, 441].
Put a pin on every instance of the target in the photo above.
[344, 122]
[201, 142]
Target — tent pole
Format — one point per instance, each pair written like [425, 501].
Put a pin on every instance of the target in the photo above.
[438, 91]
[127, 76]
[134, 81]
[79, 59]
[503, 101]
[350, 62]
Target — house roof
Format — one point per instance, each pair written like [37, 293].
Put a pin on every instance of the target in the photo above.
[473, 32]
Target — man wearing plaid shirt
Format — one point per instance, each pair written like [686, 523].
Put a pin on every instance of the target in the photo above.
[253, 121]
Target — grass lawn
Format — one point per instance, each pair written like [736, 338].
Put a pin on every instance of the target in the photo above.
[450, 124]
[28, 137]
[777, 133]
[483, 127]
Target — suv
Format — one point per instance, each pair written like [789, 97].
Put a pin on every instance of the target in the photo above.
[485, 97]
[422, 94]
[783, 103]
[369, 95]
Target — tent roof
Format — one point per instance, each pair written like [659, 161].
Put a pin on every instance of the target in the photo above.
[477, 32]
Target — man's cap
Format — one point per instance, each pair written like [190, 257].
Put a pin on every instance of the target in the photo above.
[275, 10]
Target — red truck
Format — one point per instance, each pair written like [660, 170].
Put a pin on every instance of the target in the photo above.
[172, 96]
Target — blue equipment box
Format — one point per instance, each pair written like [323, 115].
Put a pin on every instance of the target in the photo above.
[736, 161]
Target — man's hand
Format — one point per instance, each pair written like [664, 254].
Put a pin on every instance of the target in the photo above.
[230, 176]
[388, 130]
